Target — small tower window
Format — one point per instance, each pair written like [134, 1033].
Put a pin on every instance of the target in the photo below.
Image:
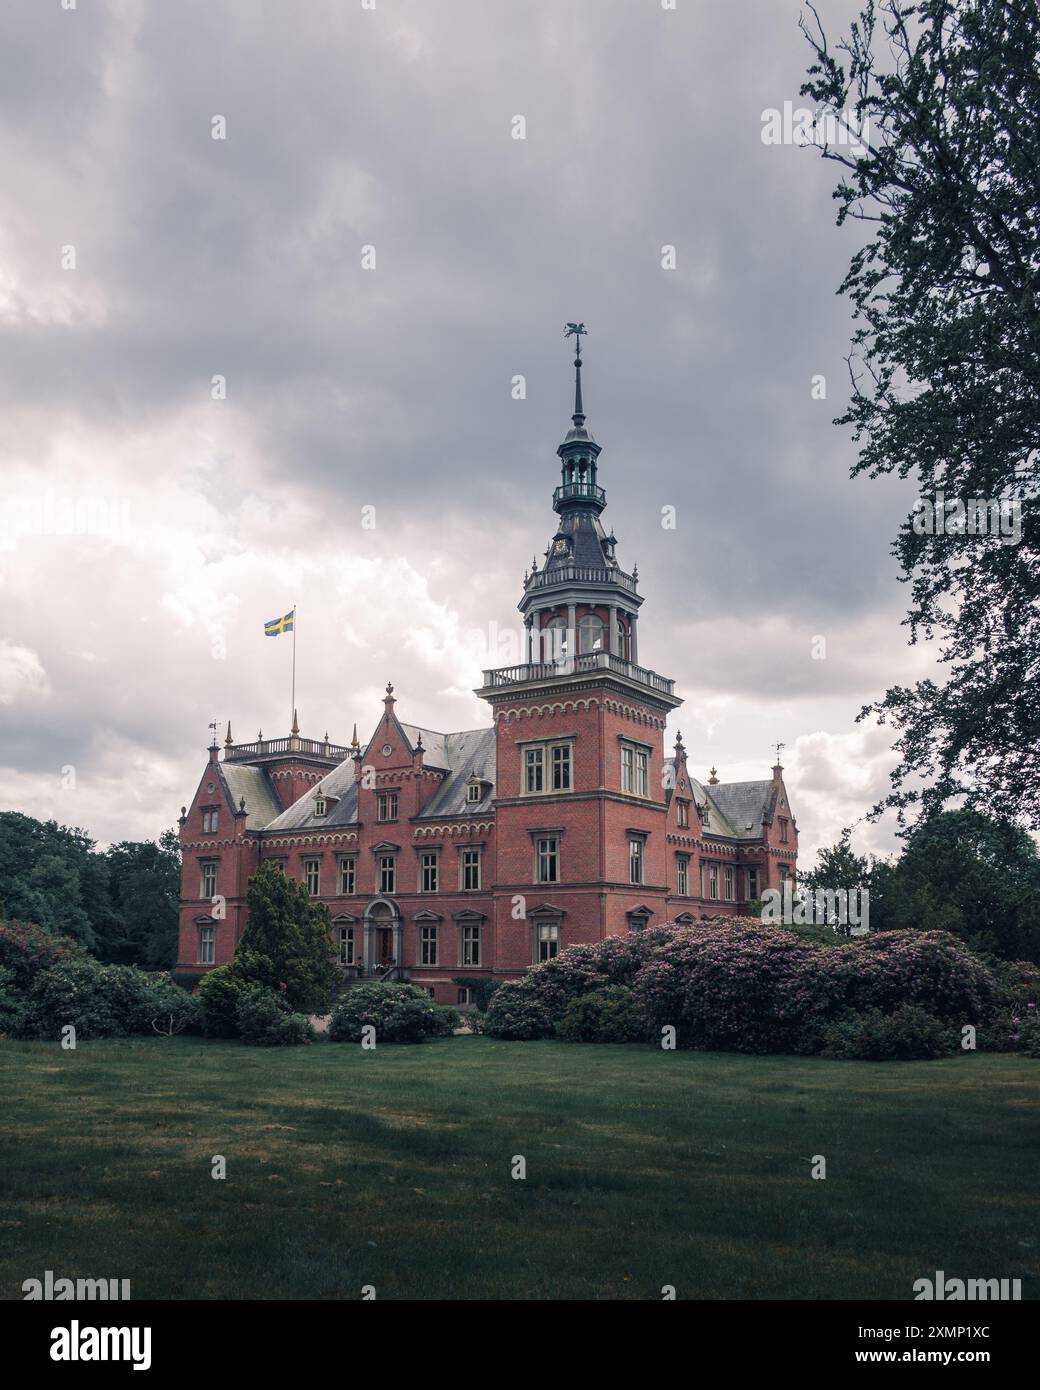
[590, 634]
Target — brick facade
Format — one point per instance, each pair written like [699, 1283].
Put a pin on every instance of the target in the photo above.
[476, 854]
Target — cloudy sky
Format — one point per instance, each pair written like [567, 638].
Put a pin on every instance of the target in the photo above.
[148, 529]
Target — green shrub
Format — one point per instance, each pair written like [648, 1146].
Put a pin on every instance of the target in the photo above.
[482, 987]
[517, 1014]
[445, 1020]
[1029, 1037]
[398, 1013]
[27, 950]
[999, 1033]
[218, 994]
[167, 1009]
[99, 1001]
[14, 1006]
[906, 1034]
[263, 1019]
[609, 1015]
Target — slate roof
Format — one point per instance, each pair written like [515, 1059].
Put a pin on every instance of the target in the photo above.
[735, 809]
[253, 784]
[462, 756]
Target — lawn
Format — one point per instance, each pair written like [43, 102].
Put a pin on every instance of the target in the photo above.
[392, 1168]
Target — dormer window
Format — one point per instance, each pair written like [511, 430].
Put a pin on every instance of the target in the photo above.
[475, 792]
[321, 806]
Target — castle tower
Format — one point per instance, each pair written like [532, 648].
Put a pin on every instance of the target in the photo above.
[580, 801]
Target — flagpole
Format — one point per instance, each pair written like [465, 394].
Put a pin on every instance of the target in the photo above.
[292, 714]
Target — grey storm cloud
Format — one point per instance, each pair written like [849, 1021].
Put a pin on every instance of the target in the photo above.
[241, 257]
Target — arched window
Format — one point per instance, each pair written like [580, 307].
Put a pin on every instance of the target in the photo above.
[590, 634]
[556, 641]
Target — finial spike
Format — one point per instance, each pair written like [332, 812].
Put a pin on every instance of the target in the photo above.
[295, 724]
[228, 740]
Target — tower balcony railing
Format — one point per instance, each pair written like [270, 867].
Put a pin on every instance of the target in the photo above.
[569, 492]
[241, 752]
[576, 666]
[581, 574]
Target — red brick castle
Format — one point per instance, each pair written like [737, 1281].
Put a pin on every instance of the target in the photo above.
[483, 852]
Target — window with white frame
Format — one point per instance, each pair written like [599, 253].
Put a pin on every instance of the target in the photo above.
[548, 767]
[590, 634]
[470, 870]
[547, 859]
[348, 876]
[635, 859]
[682, 876]
[635, 770]
[727, 882]
[387, 873]
[684, 814]
[207, 945]
[345, 940]
[428, 943]
[321, 806]
[785, 873]
[783, 831]
[471, 944]
[428, 873]
[386, 806]
[547, 936]
[752, 883]
[465, 995]
[312, 876]
[208, 886]
[713, 880]
[474, 792]
[210, 820]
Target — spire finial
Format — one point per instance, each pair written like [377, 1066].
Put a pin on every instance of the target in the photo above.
[353, 741]
[295, 724]
[388, 698]
[575, 331]
[228, 740]
[713, 780]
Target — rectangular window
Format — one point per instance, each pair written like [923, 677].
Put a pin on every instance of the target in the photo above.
[635, 860]
[209, 822]
[727, 878]
[783, 831]
[785, 873]
[345, 941]
[682, 877]
[752, 883]
[548, 860]
[470, 870]
[347, 877]
[208, 888]
[635, 770]
[207, 944]
[684, 814]
[428, 944]
[387, 809]
[428, 873]
[312, 876]
[471, 945]
[561, 767]
[548, 940]
[387, 874]
[474, 792]
[465, 995]
[534, 770]
[713, 880]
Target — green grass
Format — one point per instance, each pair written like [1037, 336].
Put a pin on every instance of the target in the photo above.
[392, 1168]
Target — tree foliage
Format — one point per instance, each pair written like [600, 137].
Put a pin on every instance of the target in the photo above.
[287, 943]
[945, 365]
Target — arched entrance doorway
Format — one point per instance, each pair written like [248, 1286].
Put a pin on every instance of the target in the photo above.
[382, 936]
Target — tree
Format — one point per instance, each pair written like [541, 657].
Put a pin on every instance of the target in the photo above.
[287, 943]
[837, 867]
[144, 881]
[969, 875]
[945, 366]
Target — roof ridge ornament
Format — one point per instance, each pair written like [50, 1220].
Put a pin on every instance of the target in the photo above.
[577, 331]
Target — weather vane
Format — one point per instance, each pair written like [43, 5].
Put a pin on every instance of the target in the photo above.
[575, 331]
[779, 749]
[213, 726]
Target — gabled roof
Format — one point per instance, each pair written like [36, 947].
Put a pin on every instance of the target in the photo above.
[735, 809]
[254, 786]
[462, 756]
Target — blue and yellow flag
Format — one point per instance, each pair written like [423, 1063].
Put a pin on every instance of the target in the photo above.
[279, 625]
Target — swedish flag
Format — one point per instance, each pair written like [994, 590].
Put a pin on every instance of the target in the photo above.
[280, 625]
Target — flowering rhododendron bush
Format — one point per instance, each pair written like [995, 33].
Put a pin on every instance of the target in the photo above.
[26, 950]
[741, 985]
